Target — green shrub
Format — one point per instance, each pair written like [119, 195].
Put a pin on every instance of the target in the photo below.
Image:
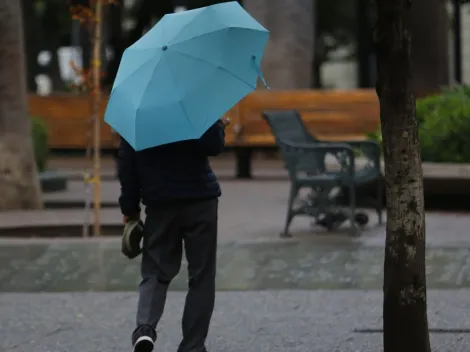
[444, 126]
[375, 136]
[445, 129]
[40, 142]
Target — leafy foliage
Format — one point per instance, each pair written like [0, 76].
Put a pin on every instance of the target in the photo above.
[40, 142]
[444, 126]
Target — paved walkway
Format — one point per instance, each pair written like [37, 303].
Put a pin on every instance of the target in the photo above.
[249, 211]
[272, 167]
[269, 321]
[273, 296]
[307, 294]
[98, 265]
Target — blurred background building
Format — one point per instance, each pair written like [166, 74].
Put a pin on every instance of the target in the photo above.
[314, 43]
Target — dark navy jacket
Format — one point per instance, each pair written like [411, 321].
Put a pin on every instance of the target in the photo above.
[171, 172]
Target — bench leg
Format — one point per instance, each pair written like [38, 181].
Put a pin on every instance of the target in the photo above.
[244, 157]
[290, 211]
[352, 205]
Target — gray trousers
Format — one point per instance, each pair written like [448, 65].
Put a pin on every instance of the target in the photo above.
[192, 224]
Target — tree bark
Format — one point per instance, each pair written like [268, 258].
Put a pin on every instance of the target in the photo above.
[287, 62]
[405, 306]
[31, 43]
[19, 183]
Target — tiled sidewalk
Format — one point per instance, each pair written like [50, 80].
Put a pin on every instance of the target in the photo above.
[249, 211]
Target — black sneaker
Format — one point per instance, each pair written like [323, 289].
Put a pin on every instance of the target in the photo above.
[143, 338]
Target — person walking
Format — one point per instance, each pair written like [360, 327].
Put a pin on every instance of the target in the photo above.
[180, 192]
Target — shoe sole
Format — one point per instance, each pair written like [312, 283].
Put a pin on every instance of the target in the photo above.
[143, 344]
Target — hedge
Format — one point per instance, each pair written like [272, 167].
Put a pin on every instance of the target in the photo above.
[444, 126]
[40, 142]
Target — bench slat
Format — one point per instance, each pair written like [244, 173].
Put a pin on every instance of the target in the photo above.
[330, 115]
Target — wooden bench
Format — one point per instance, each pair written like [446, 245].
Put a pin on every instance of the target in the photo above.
[67, 117]
[329, 115]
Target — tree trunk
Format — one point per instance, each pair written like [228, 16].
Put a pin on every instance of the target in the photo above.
[31, 43]
[287, 63]
[405, 306]
[19, 183]
[429, 27]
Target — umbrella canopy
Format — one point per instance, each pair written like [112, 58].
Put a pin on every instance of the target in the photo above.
[185, 73]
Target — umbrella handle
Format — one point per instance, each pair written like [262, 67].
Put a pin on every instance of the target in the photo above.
[260, 74]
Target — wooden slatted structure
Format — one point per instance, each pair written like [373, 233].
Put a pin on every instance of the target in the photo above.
[67, 119]
[330, 115]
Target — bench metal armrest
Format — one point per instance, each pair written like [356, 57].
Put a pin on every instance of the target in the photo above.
[371, 150]
[300, 153]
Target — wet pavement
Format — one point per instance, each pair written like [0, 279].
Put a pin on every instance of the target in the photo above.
[98, 265]
[306, 295]
[266, 321]
[312, 293]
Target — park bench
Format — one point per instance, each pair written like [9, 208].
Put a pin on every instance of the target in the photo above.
[305, 158]
[67, 117]
[331, 115]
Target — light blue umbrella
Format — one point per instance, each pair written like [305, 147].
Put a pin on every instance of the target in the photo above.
[185, 73]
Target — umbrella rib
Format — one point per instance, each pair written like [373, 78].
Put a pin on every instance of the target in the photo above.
[198, 36]
[212, 32]
[210, 63]
[184, 27]
[137, 69]
[142, 97]
[181, 103]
